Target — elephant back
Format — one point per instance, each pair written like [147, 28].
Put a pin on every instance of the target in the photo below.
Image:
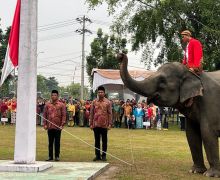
[215, 75]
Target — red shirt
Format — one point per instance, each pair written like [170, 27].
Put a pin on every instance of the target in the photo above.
[193, 54]
[101, 113]
[55, 113]
[150, 112]
[13, 106]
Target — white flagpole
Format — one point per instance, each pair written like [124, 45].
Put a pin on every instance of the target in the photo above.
[25, 136]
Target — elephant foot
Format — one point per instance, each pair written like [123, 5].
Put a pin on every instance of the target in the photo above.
[198, 169]
[212, 172]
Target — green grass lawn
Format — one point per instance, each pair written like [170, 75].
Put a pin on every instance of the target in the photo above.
[157, 154]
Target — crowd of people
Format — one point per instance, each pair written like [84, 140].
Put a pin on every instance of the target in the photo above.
[126, 114]
[8, 111]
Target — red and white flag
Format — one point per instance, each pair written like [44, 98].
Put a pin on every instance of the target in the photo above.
[11, 57]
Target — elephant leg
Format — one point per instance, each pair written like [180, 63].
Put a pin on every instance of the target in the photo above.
[211, 145]
[194, 139]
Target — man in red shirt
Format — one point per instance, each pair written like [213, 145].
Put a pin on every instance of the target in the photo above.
[193, 55]
[100, 122]
[55, 113]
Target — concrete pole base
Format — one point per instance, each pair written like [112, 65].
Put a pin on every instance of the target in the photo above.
[10, 166]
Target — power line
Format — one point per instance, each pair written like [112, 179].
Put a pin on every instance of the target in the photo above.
[56, 36]
[58, 62]
[56, 26]
[69, 20]
[65, 75]
[52, 57]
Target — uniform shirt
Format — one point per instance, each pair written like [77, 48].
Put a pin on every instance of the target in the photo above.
[101, 113]
[55, 113]
[193, 54]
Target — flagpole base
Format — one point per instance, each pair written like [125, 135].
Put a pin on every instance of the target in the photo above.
[38, 166]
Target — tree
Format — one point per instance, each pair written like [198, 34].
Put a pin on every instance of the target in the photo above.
[73, 91]
[3, 44]
[46, 85]
[103, 50]
[4, 89]
[41, 86]
[52, 84]
[155, 25]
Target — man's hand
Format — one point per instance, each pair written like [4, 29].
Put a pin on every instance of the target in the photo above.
[109, 127]
[191, 69]
[91, 127]
[61, 127]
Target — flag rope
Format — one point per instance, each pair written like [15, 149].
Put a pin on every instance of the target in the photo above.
[78, 138]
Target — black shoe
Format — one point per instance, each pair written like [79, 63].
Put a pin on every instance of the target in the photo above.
[57, 159]
[49, 159]
[104, 158]
[97, 159]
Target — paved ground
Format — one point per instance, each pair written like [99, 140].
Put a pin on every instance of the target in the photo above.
[60, 171]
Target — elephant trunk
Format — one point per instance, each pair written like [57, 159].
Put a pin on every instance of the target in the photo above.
[145, 88]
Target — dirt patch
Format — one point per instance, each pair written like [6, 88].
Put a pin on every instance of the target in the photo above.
[109, 173]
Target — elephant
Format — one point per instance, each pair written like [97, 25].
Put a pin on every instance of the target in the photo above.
[173, 85]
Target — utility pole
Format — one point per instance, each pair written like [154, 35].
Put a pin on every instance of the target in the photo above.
[82, 31]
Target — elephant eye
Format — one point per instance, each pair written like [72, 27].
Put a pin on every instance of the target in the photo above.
[162, 82]
[162, 85]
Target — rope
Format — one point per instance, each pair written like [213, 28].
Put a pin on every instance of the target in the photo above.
[78, 138]
[129, 135]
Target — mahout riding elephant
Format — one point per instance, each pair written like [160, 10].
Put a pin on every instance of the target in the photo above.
[173, 85]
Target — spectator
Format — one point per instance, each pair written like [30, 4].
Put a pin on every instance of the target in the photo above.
[13, 111]
[182, 122]
[87, 113]
[71, 113]
[4, 109]
[139, 114]
[116, 112]
[127, 112]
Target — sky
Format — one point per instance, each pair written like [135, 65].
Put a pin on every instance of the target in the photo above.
[59, 46]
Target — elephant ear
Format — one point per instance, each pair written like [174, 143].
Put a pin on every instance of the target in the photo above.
[191, 86]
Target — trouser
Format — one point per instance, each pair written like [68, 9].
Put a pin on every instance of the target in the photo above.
[126, 121]
[182, 123]
[54, 139]
[98, 133]
[117, 119]
[120, 120]
[165, 123]
[76, 118]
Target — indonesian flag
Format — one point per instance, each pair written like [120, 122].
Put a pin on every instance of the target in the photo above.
[11, 57]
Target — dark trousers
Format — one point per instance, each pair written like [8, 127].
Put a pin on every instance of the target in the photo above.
[76, 118]
[126, 122]
[54, 139]
[165, 123]
[98, 133]
[182, 123]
